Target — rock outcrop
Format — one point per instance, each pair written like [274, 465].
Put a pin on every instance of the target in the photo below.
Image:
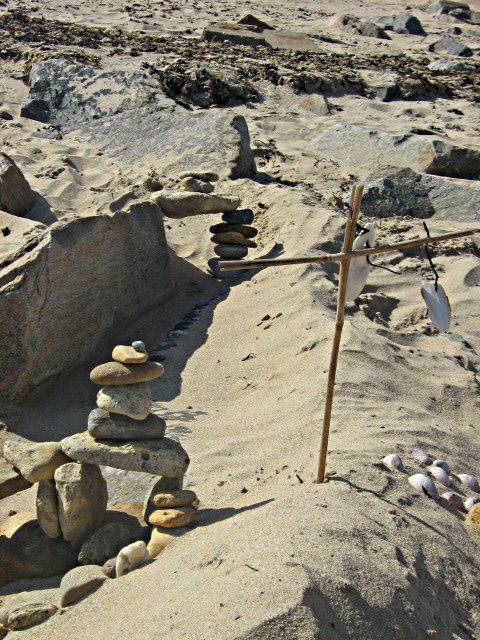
[366, 150]
[85, 276]
[16, 196]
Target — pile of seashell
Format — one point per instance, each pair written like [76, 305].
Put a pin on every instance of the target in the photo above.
[440, 471]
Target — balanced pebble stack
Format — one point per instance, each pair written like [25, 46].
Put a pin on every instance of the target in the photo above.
[232, 238]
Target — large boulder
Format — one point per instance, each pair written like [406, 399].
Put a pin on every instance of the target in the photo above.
[407, 193]
[82, 500]
[26, 552]
[366, 150]
[450, 45]
[68, 94]
[107, 541]
[401, 23]
[86, 277]
[16, 196]
[178, 140]
[159, 457]
[459, 10]
[256, 35]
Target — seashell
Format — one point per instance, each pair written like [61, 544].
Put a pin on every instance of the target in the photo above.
[393, 461]
[442, 464]
[469, 481]
[438, 305]
[138, 345]
[469, 502]
[453, 499]
[424, 484]
[421, 456]
[440, 474]
[359, 267]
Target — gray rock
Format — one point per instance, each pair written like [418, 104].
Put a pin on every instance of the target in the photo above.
[35, 461]
[406, 193]
[133, 400]
[82, 500]
[445, 64]
[241, 216]
[450, 7]
[68, 94]
[107, 542]
[195, 185]
[447, 44]
[26, 609]
[37, 316]
[382, 85]
[11, 481]
[401, 23]
[232, 251]
[176, 204]
[366, 150]
[79, 582]
[47, 508]
[253, 35]
[138, 345]
[28, 553]
[109, 568]
[160, 457]
[16, 196]
[178, 140]
[160, 486]
[112, 426]
[362, 27]
[206, 176]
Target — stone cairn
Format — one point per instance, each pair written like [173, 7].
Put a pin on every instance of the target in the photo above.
[233, 236]
[72, 493]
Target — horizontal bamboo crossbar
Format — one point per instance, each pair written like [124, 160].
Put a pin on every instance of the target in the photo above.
[234, 265]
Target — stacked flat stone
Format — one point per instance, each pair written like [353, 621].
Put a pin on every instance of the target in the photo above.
[233, 236]
[198, 181]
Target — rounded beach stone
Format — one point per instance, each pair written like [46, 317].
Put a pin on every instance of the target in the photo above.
[113, 426]
[232, 251]
[78, 582]
[172, 518]
[47, 508]
[206, 176]
[138, 345]
[198, 186]
[240, 216]
[158, 541]
[128, 355]
[232, 237]
[131, 557]
[170, 499]
[162, 457]
[473, 519]
[224, 227]
[109, 568]
[133, 400]
[116, 373]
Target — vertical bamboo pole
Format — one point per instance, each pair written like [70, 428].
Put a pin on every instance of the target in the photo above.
[349, 237]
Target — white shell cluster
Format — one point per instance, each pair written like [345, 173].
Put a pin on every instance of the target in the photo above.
[393, 461]
[424, 484]
[359, 267]
[438, 305]
[469, 481]
[442, 465]
[470, 502]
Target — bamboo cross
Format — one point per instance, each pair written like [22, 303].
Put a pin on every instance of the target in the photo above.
[344, 257]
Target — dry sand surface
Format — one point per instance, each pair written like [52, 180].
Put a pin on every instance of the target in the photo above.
[273, 554]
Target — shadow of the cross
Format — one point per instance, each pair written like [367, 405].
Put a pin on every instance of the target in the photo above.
[207, 517]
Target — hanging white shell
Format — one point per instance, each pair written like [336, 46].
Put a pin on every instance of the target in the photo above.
[469, 502]
[440, 474]
[359, 267]
[469, 481]
[393, 461]
[424, 484]
[438, 305]
[453, 499]
[442, 464]
[421, 456]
